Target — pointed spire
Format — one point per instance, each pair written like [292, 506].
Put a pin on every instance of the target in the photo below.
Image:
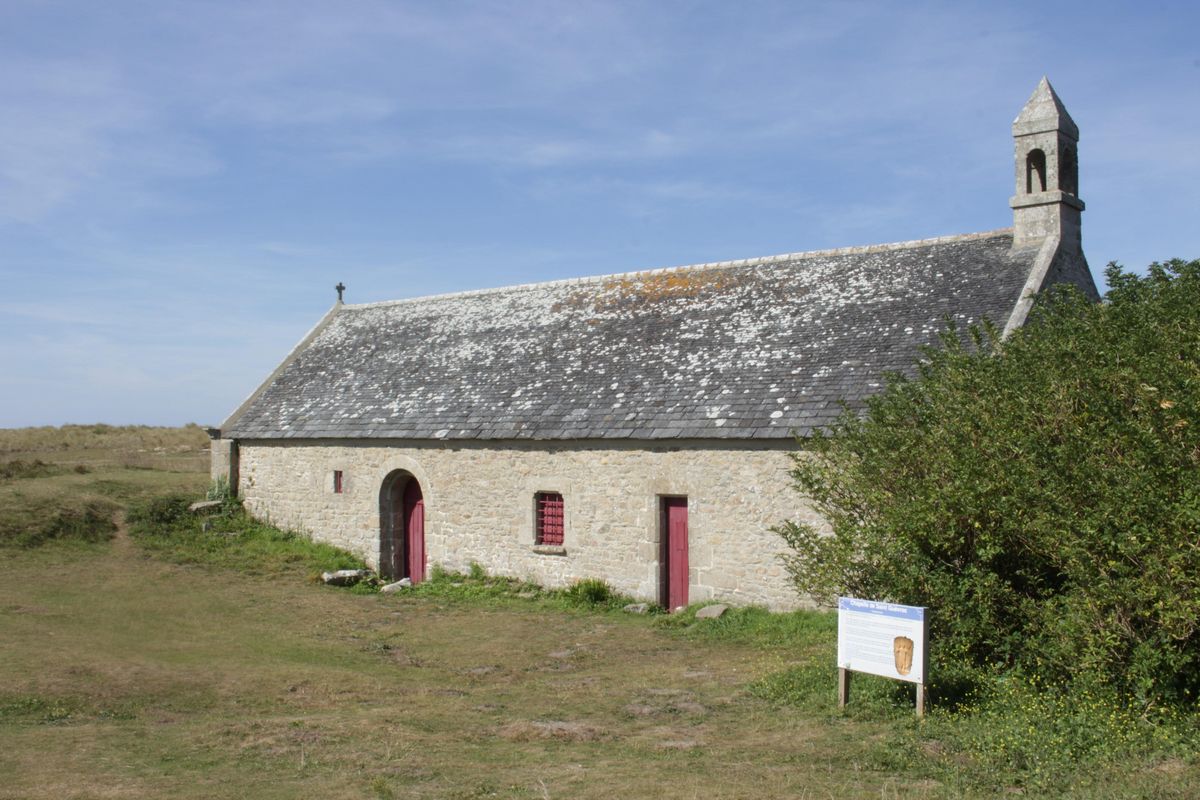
[1046, 205]
[1044, 112]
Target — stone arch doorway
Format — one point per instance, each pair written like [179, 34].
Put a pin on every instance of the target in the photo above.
[401, 528]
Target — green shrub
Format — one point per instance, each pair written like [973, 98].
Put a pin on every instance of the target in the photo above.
[159, 514]
[1039, 494]
[589, 592]
[35, 521]
[1018, 732]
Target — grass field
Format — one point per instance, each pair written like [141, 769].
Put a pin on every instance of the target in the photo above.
[130, 677]
[102, 446]
[69, 482]
[168, 661]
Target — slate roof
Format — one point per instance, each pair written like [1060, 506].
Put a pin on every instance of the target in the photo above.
[762, 349]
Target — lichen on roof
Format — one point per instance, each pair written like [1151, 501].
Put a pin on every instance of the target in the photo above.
[757, 349]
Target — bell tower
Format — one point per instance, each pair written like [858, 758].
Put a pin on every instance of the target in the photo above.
[1047, 201]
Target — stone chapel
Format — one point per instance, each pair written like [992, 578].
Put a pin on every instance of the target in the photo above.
[632, 427]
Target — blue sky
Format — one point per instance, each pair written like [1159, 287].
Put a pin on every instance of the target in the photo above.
[183, 183]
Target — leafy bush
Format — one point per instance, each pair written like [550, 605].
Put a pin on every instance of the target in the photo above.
[220, 489]
[158, 514]
[1040, 494]
[1052, 741]
[589, 592]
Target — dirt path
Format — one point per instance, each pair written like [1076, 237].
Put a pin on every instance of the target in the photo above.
[120, 540]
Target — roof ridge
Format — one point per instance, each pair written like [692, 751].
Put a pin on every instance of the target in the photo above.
[743, 262]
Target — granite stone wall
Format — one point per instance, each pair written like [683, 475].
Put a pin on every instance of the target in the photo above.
[221, 450]
[479, 506]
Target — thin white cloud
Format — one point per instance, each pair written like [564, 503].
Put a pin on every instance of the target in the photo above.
[526, 85]
[70, 125]
[56, 124]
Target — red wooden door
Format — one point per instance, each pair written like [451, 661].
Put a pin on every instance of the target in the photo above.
[414, 531]
[675, 538]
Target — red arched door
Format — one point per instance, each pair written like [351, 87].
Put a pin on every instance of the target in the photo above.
[402, 529]
[414, 531]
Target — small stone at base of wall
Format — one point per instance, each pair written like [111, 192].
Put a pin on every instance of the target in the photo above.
[712, 612]
[637, 608]
[403, 583]
[344, 577]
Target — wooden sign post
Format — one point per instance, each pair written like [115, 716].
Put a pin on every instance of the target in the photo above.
[883, 639]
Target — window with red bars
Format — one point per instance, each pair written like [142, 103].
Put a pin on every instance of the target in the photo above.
[337, 481]
[549, 518]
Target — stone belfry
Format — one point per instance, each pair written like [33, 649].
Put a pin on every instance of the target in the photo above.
[1046, 206]
[1046, 203]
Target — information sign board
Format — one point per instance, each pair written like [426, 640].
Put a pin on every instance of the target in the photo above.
[882, 639]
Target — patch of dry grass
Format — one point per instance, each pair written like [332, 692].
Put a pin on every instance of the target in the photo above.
[97, 446]
[124, 676]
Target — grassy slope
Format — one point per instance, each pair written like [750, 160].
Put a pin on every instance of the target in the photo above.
[69, 482]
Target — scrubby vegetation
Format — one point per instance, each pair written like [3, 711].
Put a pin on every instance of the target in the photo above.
[1040, 495]
[33, 521]
[590, 592]
[99, 436]
[42, 503]
[17, 469]
[229, 537]
[68, 484]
